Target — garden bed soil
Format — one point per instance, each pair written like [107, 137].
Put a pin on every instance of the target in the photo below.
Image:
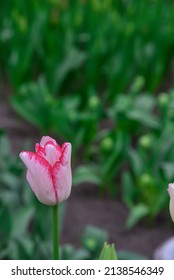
[84, 205]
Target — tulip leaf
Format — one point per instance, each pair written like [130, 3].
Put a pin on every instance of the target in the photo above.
[144, 118]
[5, 224]
[73, 59]
[168, 169]
[4, 147]
[93, 238]
[22, 221]
[9, 180]
[144, 102]
[68, 252]
[21, 248]
[128, 255]
[42, 249]
[136, 162]
[86, 174]
[128, 189]
[136, 213]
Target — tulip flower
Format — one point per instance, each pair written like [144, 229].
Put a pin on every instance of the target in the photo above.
[49, 170]
[49, 175]
[171, 205]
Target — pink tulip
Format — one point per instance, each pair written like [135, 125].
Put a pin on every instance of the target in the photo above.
[171, 206]
[49, 170]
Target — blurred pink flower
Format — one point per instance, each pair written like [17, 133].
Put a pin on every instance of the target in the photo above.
[49, 170]
[171, 205]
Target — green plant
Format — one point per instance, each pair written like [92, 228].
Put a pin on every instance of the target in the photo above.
[64, 45]
[21, 229]
[108, 252]
[94, 246]
[65, 116]
[151, 166]
[77, 76]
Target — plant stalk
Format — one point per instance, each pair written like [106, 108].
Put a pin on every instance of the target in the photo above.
[55, 209]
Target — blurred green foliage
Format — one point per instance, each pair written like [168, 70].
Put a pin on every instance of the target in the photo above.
[151, 165]
[88, 72]
[94, 247]
[78, 44]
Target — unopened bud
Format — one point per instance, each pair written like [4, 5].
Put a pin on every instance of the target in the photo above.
[145, 141]
[107, 144]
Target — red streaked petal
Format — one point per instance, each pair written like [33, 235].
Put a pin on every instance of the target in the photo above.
[66, 153]
[39, 176]
[46, 139]
[52, 152]
[37, 147]
[62, 180]
[39, 150]
[55, 145]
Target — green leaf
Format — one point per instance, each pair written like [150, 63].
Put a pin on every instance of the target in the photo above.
[73, 60]
[21, 249]
[42, 249]
[34, 103]
[144, 102]
[9, 180]
[81, 254]
[21, 221]
[136, 162]
[144, 118]
[93, 238]
[5, 224]
[128, 189]
[137, 213]
[127, 255]
[168, 169]
[86, 174]
[137, 85]
[68, 252]
[5, 149]
[111, 162]
[42, 226]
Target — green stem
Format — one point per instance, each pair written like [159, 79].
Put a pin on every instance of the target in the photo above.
[55, 233]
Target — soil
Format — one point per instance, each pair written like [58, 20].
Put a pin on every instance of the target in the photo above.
[84, 206]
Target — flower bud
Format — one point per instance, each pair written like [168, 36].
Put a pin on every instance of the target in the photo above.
[163, 99]
[107, 144]
[49, 170]
[94, 102]
[108, 252]
[145, 141]
[146, 180]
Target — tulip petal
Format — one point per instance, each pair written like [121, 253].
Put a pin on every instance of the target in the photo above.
[171, 205]
[66, 153]
[171, 190]
[62, 180]
[52, 152]
[46, 139]
[39, 176]
[40, 150]
[171, 208]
